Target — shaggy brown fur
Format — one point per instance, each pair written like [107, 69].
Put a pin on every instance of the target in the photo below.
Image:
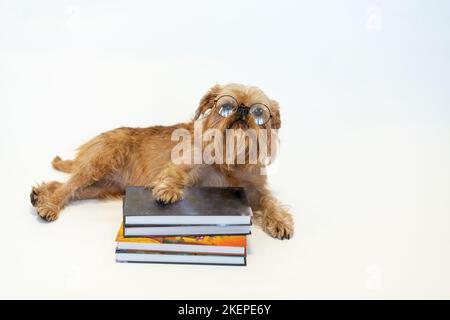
[115, 159]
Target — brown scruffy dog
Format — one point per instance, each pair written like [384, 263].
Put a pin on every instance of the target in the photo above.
[105, 165]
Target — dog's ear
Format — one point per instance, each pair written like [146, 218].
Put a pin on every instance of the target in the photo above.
[207, 101]
[276, 119]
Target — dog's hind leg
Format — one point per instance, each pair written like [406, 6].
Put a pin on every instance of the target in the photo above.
[96, 161]
[50, 208]
[89, 171]
[100, 190]
[42, 191]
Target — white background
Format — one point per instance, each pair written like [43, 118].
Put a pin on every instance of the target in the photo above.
[364, 162]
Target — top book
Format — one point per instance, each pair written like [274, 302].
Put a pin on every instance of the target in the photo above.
[200, 206]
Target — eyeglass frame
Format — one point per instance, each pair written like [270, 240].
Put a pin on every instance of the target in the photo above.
[240, 105]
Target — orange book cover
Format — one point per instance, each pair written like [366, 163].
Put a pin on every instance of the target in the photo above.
[230, 241]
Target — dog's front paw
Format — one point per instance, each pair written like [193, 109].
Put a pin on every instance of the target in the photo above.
[48, 211]
[280, 226]
[166, 195]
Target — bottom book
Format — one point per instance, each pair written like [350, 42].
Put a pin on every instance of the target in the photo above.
[178, 258]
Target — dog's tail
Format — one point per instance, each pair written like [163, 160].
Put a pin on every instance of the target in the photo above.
[63, 165]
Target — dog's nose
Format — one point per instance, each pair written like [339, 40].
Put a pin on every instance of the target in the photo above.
[242, 110]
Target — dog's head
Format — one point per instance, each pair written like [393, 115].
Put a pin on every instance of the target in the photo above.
[242, 109]
[235, 96]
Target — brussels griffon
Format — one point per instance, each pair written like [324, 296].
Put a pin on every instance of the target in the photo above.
[105, 165]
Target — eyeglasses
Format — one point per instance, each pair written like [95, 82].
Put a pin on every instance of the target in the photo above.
[227, 105]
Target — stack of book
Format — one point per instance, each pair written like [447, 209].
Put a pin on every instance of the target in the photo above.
[209, 226]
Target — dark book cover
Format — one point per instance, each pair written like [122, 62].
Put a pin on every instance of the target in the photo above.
[212, 205]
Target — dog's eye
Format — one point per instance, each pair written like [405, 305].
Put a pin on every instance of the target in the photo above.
[226, 105]
[260, 113]
[226, 109]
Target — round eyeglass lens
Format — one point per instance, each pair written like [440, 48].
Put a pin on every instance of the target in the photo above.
[260, 113]
[226, 105]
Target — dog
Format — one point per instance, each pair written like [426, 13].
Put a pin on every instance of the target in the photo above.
[113, 160]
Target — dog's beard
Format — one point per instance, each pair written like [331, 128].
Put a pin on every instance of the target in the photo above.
[232, 122]
[240, 141]
[239, 124]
